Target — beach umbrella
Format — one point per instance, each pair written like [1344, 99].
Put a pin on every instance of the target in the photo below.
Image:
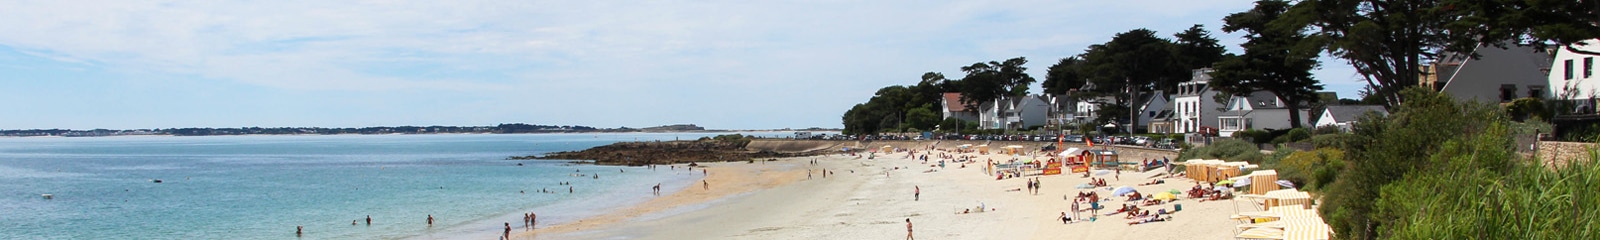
[1102, 172]
[1124, 190]
[1165, 196]
[1286, 183]
[1241, 181]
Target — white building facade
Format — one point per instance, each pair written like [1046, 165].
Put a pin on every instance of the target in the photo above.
[1195, 104]
[1573, 76]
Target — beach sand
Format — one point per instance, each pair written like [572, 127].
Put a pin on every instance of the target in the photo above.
[776, 200]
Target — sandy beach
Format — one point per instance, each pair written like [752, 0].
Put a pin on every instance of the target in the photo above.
[872, 198]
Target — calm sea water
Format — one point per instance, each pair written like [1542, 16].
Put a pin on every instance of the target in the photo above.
[261, 187]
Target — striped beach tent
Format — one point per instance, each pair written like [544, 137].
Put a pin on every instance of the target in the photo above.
[1302, 224]
[1261, 233]
[1262, 181]
[1287, 197]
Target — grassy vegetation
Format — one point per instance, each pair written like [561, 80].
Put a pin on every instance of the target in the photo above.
[1435, 169]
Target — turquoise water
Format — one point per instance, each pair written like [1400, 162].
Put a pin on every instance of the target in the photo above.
[261, 187]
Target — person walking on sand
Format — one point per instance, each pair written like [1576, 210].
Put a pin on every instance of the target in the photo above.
[508, 232]
[917, 196]
[908, 230]
[1119, 174]
[525, 220]
[705, 184]
[533, 220]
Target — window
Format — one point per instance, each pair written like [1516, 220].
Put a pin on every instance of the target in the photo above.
[1568, 67]
[1508, 92]
[1588, 67]
[1536, 92]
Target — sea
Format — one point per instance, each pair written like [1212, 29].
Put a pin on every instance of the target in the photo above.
[262, 187]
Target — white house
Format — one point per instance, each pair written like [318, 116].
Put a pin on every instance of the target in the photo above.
[1497, 75]
[1259, 110]
[1026, 112]
[1344, 115]
[1194, 103]
[1063, 109]
[953, 108]
[1573, 78]
[1152, 105]
[1013, 112]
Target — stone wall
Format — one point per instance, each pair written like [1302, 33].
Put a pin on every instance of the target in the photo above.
[1556, 154]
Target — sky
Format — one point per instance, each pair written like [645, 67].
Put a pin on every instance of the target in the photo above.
[716, 64]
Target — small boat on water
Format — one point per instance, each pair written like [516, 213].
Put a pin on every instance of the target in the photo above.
[155, 180]
[48, 196]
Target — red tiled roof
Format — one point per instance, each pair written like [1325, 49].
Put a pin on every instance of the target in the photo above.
[954, 100]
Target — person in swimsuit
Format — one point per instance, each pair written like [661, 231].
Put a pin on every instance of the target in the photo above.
[430, 219]
[508, 232]
[908, 230]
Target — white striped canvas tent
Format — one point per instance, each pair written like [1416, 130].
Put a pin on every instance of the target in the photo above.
[1288, 197]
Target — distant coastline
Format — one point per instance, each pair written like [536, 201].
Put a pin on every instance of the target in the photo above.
[510, 128]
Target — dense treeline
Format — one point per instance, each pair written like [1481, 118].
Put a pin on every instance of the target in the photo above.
[916, 108]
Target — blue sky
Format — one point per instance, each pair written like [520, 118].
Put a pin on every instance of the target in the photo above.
[718, 64]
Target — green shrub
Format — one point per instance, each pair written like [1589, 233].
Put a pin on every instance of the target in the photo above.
[1254, 136]
[1226, 149]
[1325, 129]
[1525, 108]
[1383, 188]
[1302, 167]
[1338, 141]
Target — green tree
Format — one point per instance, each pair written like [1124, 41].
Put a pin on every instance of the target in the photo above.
[1388, 41]
[922, 118]
[1270, 62]
[951, 125]
[1195, 48]
[1132, 63]
[993, 80]
[1064, 76]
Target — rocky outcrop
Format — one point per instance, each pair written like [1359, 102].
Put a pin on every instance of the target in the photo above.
[669, 152]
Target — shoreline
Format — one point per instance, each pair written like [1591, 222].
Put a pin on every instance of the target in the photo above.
[726, 179]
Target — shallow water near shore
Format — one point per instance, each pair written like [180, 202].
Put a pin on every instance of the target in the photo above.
[261, 187]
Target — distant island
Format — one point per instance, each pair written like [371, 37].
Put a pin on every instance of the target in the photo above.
[502, 128]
